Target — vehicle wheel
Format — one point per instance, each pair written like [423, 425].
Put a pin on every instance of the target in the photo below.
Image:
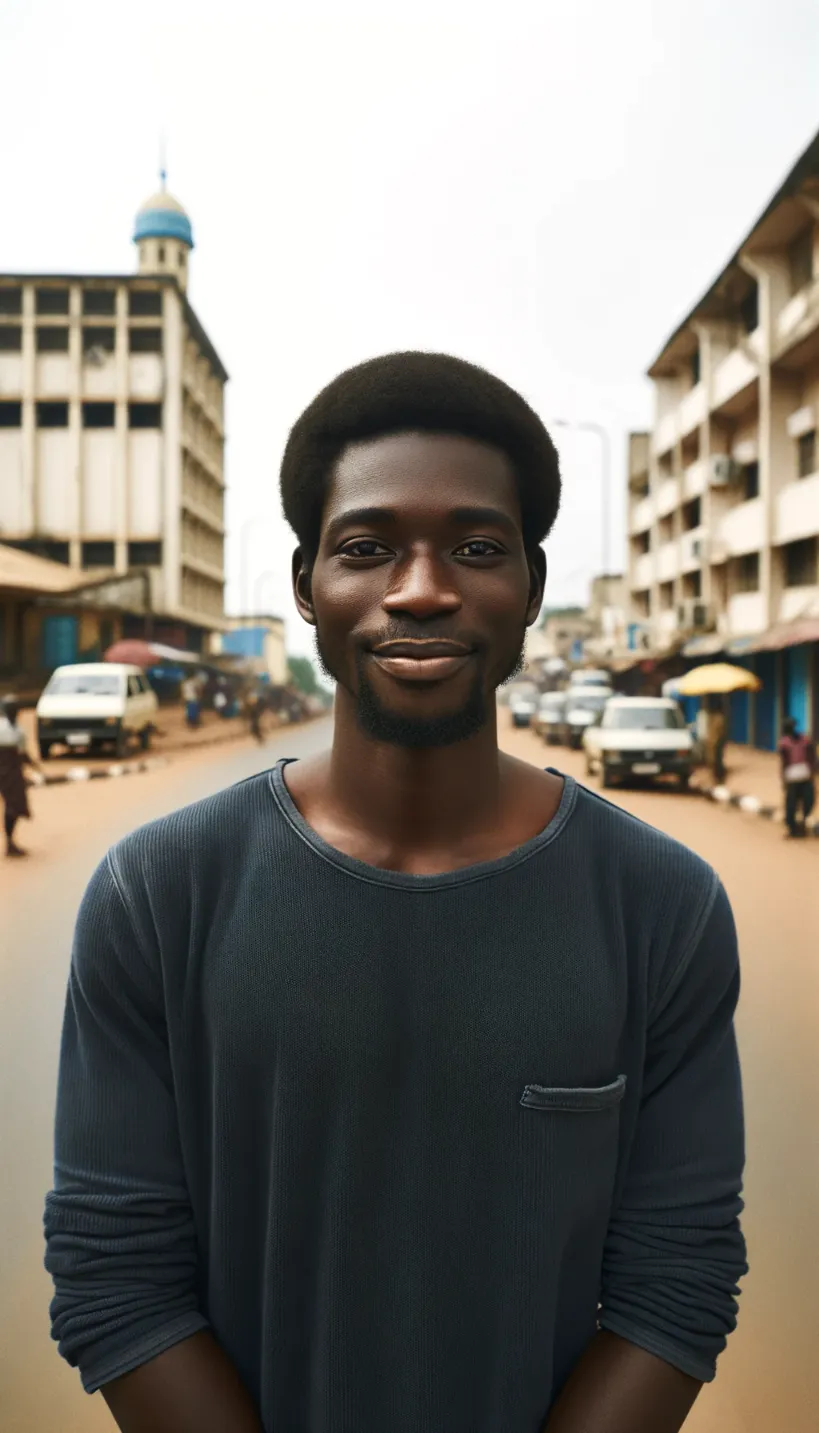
[45, 750]
[121, 744]
[145, 738]
[685, 780]
[605, 777]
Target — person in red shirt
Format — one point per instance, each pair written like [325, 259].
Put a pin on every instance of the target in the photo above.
[797, 754]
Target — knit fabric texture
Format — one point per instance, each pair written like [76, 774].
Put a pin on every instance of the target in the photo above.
[402, 1142]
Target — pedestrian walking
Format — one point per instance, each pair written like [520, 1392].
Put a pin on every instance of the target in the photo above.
[14, 758]
[192, 697]
[717, 731]
[797, 754]
[254, 708]
[399, 1088]
[220, 701]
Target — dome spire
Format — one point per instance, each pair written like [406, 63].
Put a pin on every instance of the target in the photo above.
[163, 233]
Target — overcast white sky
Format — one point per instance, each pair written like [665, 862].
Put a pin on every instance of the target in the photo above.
[544, 188]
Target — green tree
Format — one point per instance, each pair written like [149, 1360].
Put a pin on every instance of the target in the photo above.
[303, 676]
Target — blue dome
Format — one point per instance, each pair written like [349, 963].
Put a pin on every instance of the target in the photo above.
[162, 217]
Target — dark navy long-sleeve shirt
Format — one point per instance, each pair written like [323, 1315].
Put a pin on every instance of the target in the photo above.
[402, 1142]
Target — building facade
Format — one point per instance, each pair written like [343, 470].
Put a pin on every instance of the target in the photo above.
[112, 428]
[724, 491]
[262, 641]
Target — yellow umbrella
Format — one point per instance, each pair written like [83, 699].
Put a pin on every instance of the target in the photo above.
[715, 678]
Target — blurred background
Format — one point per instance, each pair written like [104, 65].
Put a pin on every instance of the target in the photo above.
[206, 213]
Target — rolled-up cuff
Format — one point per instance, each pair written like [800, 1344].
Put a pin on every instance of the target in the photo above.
[685, 1359]
[108, 1363]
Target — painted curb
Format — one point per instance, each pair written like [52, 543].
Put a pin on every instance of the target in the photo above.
[751, 805]
[76, 774]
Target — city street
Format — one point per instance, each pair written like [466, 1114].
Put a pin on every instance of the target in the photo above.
[769, 1379]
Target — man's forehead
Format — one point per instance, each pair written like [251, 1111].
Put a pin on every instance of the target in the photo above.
[415, 467]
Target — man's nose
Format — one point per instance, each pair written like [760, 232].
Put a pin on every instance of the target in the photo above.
[422, 586]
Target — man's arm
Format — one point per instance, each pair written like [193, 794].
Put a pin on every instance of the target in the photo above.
[121, 1243]
[191, 1388]
[674, 1251]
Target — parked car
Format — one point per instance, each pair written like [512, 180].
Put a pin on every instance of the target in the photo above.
[95, 704]
[597, 677]
[584, 708]
[523, 702]
[640, 736]
[550, 716]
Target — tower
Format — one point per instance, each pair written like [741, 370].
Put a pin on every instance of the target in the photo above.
[164, 237]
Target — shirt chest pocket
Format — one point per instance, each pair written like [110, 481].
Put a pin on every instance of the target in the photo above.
[574, 1099]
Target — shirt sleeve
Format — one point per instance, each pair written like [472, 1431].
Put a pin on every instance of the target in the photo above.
[674, 1251]
[120, 1241]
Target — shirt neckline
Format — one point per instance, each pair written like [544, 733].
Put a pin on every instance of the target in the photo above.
[376, 876]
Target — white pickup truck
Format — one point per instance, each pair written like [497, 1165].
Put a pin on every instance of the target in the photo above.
[640, 736]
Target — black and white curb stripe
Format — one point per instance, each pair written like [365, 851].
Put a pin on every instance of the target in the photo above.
[99, 773]
[751, 805]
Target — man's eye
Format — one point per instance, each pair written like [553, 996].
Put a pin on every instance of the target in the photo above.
[478, 547]
[364, 547]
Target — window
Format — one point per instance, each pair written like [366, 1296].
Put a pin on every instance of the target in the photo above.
[666, 596]
[692, 584]
[99, 301]
[750, 480]
[52, 301]
[11, 300]
[11, 338]
[181, 259]
[807, 453]
[801, 563]
[144, 303]
[52, 415]
[800, 260]
[98, 415]
[98, 554]
[749, 310]
[144, 554]
[145, 340]
[11, 415]
[144, 415]
[54, 551]
[747, 572]
[160, 253]
[696, 371]
[643, 543]
[692, 515]
[634, 718]
[52, 340]
[98, 338]
[84, 684]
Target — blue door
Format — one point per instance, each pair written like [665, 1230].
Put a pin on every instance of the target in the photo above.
[766, 701]
[796, 684]
[59, 643]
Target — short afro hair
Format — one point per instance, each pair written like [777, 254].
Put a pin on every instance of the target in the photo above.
[417, 392]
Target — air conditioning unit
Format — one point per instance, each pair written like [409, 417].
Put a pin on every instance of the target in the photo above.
[722, 470]
[699, 549]
[694, 615]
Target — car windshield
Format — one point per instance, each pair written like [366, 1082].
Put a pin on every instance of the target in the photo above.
[590, 701]
[84, 684]
[590, 679]
[644, 718]
[553, 701]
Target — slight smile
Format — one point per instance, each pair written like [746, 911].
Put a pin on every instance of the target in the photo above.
[420, 660]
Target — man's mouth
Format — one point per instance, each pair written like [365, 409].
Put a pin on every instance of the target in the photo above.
[421, 659]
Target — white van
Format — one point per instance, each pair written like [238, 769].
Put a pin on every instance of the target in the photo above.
[96, 704]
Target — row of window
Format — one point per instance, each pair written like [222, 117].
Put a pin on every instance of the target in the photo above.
[53, 338]
[93, 415]
[93, 554]
[800, 569]
[142, 303]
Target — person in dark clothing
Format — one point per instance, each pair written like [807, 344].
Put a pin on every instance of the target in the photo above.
[14, 758]
[797, 755]
[399, 1088]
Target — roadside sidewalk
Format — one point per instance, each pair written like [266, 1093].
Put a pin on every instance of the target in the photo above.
[753, 784]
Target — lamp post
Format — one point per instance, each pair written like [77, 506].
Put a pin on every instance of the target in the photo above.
[244, 533]
[585, 426]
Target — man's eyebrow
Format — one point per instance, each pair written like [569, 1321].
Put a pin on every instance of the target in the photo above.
[359, 517]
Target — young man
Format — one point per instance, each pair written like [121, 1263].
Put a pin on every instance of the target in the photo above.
[797, 755]
[14, 758]
[399, 1091]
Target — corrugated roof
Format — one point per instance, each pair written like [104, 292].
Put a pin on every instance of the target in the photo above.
[22, 572]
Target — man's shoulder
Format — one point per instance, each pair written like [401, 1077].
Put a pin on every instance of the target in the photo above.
[205, 837]
[637, 855]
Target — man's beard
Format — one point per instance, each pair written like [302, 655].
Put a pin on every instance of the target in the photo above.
[420, 733]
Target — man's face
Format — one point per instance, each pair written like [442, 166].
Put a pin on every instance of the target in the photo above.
[421, 591]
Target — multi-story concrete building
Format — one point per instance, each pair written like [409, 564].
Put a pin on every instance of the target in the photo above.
[112, 427]
[724, 491]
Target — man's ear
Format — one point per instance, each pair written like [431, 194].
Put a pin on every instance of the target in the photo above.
[537, 585]
[302, 591]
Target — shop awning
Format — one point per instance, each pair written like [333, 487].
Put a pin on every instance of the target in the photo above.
[705, 646]
[781, 635]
